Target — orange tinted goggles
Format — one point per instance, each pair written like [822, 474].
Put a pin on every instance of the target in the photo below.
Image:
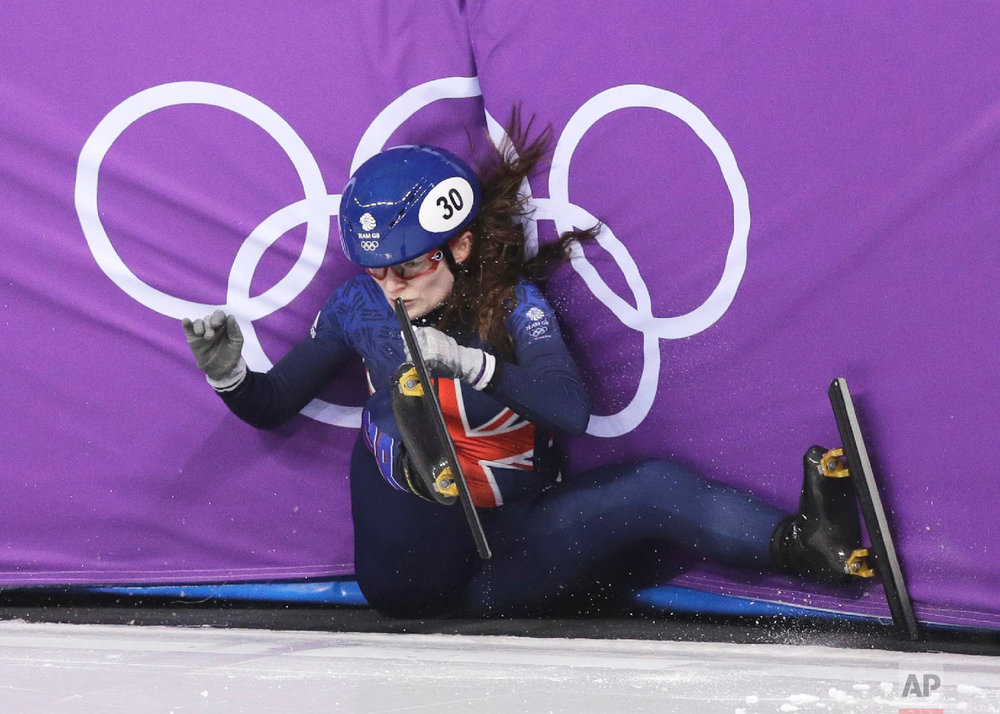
[411, 268]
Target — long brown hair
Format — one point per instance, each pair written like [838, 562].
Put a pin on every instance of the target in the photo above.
[483, 295]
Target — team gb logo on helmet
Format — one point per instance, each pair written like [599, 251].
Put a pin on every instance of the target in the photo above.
[367, 222]
[318, 206]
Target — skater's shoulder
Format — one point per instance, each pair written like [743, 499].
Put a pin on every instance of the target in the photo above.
[356, 301]
[531, 315]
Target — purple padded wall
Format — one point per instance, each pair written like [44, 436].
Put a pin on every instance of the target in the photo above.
[791, 193]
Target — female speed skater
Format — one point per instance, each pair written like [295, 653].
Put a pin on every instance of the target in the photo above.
[425, 228]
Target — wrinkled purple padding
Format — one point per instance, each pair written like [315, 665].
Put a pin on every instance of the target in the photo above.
[868, 139]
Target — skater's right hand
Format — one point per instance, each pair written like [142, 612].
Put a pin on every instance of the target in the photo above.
[217, 344]
[446, 358]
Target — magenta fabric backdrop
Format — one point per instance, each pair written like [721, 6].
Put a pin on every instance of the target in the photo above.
[792, 192]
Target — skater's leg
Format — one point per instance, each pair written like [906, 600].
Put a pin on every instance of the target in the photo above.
[580, 531]
[412, 557]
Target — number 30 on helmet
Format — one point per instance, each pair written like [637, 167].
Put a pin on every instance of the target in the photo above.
[404, 202]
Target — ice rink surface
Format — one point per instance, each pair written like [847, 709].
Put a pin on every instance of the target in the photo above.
[46, 668]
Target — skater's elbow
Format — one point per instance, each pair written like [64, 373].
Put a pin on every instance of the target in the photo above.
[576, 417]
[568, 418]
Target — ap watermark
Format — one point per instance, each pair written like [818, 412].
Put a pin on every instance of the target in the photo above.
[920, 690]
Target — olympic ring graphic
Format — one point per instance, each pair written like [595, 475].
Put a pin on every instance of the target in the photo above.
[317, 207]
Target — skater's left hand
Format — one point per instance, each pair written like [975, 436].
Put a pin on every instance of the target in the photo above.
[444, 357]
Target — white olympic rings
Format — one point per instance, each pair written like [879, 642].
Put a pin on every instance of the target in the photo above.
[317, 207]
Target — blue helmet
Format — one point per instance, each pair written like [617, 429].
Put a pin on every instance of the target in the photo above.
[404, 202]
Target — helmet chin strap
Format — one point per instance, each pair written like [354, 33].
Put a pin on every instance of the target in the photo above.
[449, 258]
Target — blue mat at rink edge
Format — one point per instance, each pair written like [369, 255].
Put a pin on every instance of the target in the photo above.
[344, 592]
[663, 598]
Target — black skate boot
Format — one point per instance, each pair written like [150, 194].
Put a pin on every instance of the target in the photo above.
[425, 465]
[822, 541]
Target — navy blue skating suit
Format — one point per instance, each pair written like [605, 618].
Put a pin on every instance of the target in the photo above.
[503, 434]
[551, 540]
